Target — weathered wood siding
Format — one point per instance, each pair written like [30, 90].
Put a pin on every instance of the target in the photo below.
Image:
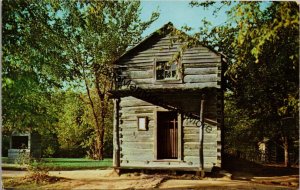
[200, 71]
[137, 148]
[33, 150]
[201, 67]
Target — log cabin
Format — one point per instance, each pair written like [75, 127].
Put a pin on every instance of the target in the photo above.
[168, 104]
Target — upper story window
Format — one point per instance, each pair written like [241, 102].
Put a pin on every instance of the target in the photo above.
[166, 70]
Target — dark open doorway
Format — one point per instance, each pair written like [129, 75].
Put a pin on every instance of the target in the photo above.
[167, 135]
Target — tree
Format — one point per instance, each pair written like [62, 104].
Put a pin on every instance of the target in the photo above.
[239, 126]
[95, 34]
[73, 131]
[88, 120]
[50, 45]
[261, 42]
[33, 66]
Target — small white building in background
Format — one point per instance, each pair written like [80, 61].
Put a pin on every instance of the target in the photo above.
[24, 145]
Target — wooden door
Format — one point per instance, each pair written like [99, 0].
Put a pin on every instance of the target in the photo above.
[167, 135]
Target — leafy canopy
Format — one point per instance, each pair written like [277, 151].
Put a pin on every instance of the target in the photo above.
[261, 43]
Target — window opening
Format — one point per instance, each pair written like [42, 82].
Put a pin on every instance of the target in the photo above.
[166, 70]
[19, 142]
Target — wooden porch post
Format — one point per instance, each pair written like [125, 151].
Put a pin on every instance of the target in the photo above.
[116, 142]
[201, 156]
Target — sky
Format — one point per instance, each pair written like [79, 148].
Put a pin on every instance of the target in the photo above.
[180, 13]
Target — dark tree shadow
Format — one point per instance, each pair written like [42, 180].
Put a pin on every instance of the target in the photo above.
[241, 168]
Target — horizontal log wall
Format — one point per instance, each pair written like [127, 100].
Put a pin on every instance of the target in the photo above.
[201, 67]
[137, 147]
[192, 144]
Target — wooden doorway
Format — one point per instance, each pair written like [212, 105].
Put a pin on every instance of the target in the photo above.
[167, 135]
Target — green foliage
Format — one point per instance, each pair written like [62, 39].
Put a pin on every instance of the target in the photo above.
[37, 173]
[23, 158]
[32, 65]
[88, 121]
[49, 46]
[239, 126]
[49, 149]
[261, 44]
[96, 33]
[73, 129]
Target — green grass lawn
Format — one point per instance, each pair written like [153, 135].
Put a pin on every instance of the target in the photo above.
[63, 164]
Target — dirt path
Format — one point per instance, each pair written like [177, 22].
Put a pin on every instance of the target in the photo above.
[95, 179]
[107, 179]
[218, 184]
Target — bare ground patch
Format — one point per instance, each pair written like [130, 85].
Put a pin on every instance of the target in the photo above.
[107, 179]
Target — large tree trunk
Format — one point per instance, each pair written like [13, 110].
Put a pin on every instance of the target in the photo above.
[103, 100]
[286, 152]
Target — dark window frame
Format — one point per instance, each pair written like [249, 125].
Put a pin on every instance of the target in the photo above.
[178, 71]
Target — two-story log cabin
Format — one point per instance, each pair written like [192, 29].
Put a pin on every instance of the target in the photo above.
[168, 105]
